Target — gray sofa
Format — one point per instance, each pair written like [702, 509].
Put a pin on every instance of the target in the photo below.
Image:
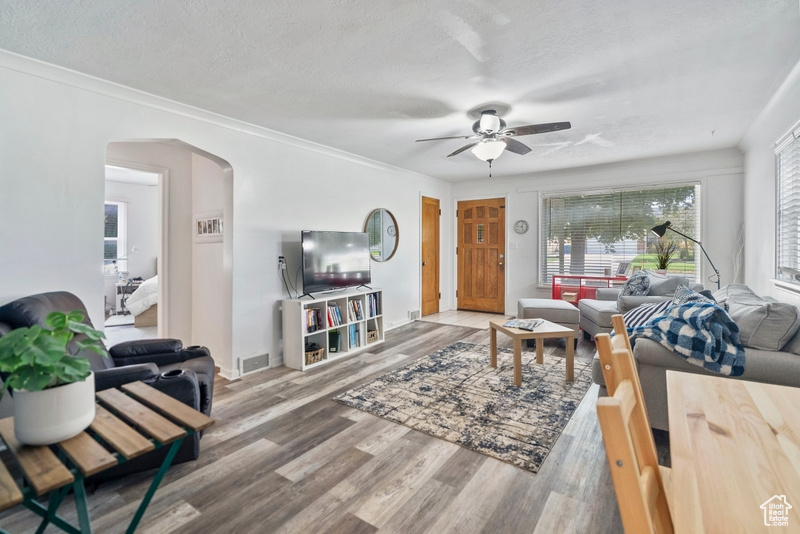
[596, 313]
[769, 330]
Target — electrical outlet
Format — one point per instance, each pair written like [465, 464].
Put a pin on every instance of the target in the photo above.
[281, 262]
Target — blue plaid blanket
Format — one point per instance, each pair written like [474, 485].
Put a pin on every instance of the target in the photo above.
[701, 333]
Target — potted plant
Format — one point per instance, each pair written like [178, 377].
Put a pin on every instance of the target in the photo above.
[664, 251]
[53, 390]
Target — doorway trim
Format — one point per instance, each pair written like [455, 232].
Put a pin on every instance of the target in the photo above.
[454, 233]
[163, 248]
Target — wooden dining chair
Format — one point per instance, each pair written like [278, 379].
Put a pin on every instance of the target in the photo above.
[606, 345]
[638, 479]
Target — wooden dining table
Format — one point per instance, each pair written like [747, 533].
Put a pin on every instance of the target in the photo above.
[735, 452]
[130, 421]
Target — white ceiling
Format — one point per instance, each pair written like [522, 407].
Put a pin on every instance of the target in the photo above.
[130, 176]
[636, 78]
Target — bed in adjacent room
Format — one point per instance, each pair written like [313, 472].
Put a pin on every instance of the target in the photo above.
[143, 303]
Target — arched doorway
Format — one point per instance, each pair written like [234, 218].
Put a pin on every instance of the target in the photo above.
[196, 248]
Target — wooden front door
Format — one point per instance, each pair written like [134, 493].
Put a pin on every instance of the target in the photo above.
[481, 255]
[430, 255]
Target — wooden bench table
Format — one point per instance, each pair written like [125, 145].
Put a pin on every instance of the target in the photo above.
[127, 423]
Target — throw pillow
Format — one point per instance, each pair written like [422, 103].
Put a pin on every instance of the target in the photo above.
[762, 324]
[665, 286]
[637, 284]
[644, 313]
[731, 291]
[683, 295]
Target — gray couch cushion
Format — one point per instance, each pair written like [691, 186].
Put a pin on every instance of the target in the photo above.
[555, 311]
[793, 345]
[730, 291]
[763, 324]
[683, 295]
[665, 285]
[598, 311]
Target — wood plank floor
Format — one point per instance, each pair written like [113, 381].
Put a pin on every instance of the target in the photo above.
[284, 457]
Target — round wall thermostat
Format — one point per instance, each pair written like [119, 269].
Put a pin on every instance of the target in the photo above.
[521, 226]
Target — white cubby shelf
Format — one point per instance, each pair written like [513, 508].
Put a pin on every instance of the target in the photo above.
[337, 322]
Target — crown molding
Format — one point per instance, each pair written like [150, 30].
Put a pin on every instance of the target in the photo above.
[92, 84]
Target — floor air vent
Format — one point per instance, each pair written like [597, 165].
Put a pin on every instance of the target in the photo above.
[255, 362]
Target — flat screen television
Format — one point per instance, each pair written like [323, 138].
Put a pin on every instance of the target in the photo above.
[333, 260]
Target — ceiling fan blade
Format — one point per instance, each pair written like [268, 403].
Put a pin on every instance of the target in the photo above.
[454, 137]
[463, 148]
[512, 145]
[537, 128]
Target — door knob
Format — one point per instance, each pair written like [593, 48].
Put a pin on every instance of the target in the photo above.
[501, 264]
[424, 264]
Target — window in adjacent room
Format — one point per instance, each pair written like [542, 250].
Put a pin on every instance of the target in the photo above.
[591, 234]
[788, 246]
[115, 236]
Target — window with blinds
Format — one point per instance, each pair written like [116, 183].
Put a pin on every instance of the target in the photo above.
[788, 246]
[591, 234]
[115, 258]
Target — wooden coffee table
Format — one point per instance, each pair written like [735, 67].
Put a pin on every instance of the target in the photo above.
[546, 330]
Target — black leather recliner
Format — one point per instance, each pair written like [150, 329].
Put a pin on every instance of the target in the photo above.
[147, 360]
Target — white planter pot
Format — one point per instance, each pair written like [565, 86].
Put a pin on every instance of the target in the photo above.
[54, 414]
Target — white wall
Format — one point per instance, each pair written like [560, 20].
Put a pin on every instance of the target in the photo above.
[780, 115]
[720, 173]
[143, 217]
[56, 125]
[208, 277]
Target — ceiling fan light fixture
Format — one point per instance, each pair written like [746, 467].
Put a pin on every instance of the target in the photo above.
[489, 150]
[490, 122]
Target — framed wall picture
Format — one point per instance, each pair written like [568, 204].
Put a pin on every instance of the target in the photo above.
[623, 268]
[208, 227]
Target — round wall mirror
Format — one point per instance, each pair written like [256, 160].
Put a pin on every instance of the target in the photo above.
[383, 234]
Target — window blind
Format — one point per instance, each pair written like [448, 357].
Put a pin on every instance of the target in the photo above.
[115, 236]
[788, 246]
[591, 234]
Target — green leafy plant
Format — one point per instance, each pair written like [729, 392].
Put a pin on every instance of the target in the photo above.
[37, 358]
[664, 251]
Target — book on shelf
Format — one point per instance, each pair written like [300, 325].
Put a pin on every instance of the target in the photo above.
[374, 305]
[356, 312]
[334, 341]
[334, 315]
[353, 331]
[523, 324]
[314, 320]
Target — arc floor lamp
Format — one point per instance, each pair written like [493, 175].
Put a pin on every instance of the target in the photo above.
[661, 229]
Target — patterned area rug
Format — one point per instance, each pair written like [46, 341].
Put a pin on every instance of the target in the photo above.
[454, 395]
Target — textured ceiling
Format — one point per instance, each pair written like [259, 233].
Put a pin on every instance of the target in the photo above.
[636, 78]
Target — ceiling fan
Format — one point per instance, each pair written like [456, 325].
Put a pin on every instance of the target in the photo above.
[494, 137]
